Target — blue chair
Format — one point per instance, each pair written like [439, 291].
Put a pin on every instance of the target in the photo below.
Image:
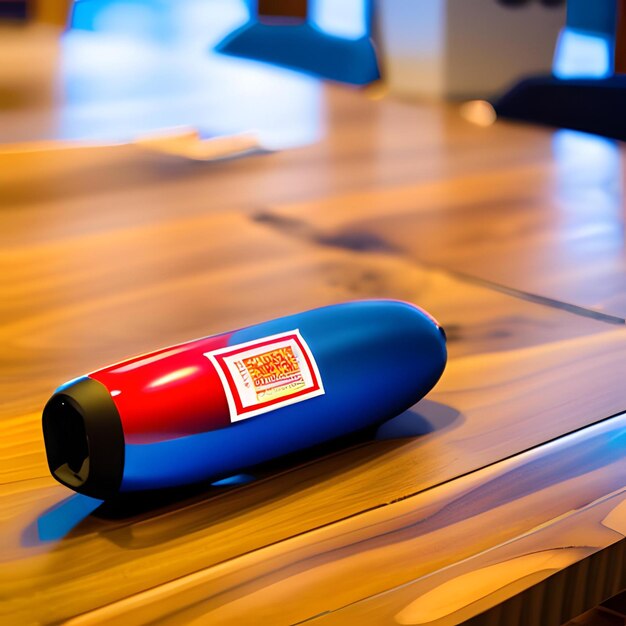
[303, 46]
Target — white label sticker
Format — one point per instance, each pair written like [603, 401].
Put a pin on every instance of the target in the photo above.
[266, 374]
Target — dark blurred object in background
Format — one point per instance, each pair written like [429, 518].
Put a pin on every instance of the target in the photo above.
[14, 10]
[587, 90]
[47, 11]
[282, 11]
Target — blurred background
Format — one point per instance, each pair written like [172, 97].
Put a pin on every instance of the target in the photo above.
[125, 67]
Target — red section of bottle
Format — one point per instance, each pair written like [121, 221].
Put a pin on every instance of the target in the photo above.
[169, 393]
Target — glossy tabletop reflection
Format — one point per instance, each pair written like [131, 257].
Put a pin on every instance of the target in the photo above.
[503, 490]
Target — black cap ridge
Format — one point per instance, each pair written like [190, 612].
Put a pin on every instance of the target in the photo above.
[84, 438]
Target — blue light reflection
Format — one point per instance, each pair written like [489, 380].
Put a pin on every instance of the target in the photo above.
[589, 192]
[238, 479]
[62, 518]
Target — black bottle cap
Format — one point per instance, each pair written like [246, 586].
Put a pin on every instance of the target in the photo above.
[84, 438]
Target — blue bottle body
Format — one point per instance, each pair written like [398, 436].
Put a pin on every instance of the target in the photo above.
[375, 359]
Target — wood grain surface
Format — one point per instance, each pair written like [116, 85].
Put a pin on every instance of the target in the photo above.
[549, 224]
[112, 252]
[440, 557]
[109, 558]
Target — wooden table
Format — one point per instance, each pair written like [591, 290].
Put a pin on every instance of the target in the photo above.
[499, 499]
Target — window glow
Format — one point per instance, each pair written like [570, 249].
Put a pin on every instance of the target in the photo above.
[347, 18]
[122, 80]
[581, 54]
